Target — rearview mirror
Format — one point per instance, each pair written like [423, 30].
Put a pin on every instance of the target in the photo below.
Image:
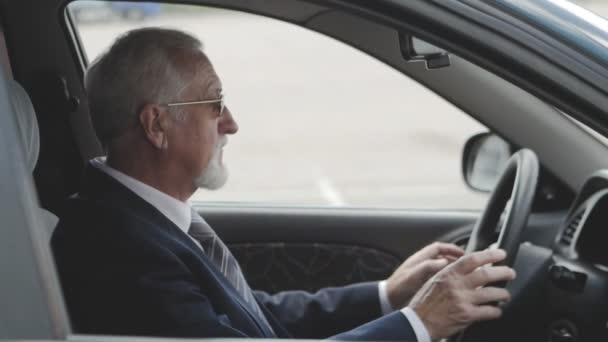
[484, 157]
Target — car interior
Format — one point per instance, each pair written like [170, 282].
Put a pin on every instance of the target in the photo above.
[555, 191]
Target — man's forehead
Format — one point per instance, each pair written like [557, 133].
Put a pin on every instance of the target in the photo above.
[210, 84]
[216, 90]
[204, 80]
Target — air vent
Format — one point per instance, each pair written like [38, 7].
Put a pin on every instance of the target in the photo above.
[568, 234]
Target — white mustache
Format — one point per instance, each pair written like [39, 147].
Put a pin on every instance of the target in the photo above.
[223, 141]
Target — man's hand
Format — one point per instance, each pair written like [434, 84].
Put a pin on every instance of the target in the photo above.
[455, 297]
[417, 269]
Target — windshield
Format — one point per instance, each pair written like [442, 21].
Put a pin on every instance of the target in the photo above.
[568, 22]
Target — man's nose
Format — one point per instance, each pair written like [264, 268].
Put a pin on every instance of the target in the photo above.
[227, 123]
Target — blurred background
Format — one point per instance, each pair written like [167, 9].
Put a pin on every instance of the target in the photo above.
[321, 124]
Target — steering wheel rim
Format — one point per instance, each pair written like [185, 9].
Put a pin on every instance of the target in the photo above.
[513, 194]
[517, 184]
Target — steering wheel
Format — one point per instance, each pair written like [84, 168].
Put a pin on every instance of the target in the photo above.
[509, 205]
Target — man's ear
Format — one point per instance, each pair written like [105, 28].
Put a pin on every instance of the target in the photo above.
[155, 122]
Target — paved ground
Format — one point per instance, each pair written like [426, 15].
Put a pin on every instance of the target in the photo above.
[321, 123]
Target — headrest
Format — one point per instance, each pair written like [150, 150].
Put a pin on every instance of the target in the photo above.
[30, 137]
[26, 121]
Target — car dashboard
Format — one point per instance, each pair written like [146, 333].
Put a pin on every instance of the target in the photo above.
[577, 282]
[561, 289]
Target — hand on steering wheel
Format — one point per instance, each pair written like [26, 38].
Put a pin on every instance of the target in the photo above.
[459, 295]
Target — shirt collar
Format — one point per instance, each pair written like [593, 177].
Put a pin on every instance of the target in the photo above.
[175, 210]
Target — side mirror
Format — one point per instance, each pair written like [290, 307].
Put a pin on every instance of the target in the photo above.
[483, 160]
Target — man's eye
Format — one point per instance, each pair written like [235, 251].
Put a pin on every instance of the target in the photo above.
[218, 108]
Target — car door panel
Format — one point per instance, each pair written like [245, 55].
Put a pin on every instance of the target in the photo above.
[309, 249]
[277, 266]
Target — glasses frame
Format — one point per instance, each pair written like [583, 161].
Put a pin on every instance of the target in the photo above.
[220, 100]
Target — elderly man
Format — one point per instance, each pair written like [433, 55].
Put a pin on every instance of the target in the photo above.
[135, 259]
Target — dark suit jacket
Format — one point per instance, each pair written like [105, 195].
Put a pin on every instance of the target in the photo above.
[126, 269]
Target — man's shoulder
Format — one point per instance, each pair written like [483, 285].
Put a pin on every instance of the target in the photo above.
[78, 210]
[91, 234]
[95, 222]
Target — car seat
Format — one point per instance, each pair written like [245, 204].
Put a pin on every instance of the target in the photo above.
[30, 138]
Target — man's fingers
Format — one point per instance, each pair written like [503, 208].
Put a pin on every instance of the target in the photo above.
[485, 295]
[485, 313]
[437, 249]
[489, 274]
[450, 250]
[471, 262]
[449, 258]
[430, 267]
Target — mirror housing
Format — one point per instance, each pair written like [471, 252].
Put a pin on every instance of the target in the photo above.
[415, 49]
[483, 160]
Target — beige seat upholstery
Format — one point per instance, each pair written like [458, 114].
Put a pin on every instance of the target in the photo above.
[28, 127]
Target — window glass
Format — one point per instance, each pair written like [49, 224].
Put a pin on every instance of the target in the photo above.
[321, 123]
[599, 7]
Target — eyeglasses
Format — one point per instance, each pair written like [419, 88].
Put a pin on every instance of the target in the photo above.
[220, 101]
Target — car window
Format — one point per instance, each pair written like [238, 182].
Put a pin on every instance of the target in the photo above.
[321, 123]
[599, 7]
[567, 22]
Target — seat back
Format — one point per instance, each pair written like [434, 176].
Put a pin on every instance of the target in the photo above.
[30, 138]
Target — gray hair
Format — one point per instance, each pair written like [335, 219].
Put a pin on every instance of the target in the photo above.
[141, 67]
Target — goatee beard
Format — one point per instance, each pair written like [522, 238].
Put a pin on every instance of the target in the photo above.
[215, 175]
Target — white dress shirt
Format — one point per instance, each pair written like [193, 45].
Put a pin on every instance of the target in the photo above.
[179, 213]
[422, 335]
[175, 210]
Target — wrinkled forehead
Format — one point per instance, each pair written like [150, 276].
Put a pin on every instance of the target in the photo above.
[204, 81]
[210, 83]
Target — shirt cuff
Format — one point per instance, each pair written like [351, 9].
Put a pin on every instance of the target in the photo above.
[385, 304]
[422, 335]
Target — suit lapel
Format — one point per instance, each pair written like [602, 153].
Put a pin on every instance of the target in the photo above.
[220, 278]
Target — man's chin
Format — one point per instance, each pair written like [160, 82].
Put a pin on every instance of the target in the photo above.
[213, 180]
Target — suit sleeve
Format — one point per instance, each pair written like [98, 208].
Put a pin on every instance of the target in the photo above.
[392, 327]
[325, 313]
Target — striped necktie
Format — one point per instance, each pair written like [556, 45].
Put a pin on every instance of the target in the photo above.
[224, 260]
